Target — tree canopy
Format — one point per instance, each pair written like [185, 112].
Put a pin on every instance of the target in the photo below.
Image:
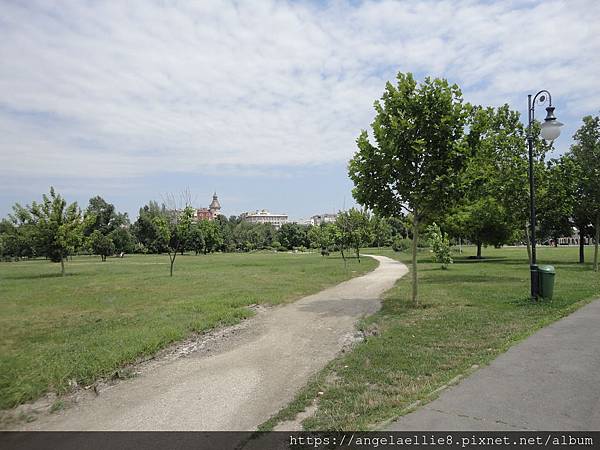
[418, 153]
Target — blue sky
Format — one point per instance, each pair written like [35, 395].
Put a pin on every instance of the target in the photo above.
[260, 101]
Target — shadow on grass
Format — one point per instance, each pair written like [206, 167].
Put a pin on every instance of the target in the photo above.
[452, 278]
[491, 259]
[40, 276]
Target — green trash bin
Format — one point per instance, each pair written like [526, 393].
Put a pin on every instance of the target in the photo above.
[546, 278]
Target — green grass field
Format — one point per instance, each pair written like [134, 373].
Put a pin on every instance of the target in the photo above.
[104, 315]
[470, 313]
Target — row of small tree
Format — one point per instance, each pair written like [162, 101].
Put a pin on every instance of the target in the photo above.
[56, 230]
[435, 158]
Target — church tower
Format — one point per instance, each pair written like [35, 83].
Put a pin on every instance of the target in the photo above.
[215, 206]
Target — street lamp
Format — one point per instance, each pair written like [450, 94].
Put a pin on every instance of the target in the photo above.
[550, 130]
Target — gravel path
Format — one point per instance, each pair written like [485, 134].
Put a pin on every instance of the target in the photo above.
[245, 379]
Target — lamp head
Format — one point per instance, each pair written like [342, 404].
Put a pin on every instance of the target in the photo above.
[551, 126]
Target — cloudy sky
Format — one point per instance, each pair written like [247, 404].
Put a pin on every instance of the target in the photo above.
[261, 100]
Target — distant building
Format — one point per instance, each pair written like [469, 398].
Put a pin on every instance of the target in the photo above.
[574, 239]
[215, 206]
[210, 213]
[264, 216]
[322, 218]
[303, 221]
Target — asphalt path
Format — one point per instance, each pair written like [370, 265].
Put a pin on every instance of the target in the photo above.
[550, 381]
[248, 378]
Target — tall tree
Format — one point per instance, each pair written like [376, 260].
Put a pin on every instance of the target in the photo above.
[557, 197]
[418, 153]
[196, 239]
[512, 168]
[145, 229]
[586, 152]
[482, 221]
[102, 216]
[56, 226]
[480, 215]
[123, 240]
[213, 239]
[292, 235]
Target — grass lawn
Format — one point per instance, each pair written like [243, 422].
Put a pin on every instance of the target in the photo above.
[470, 313]
[104, 315]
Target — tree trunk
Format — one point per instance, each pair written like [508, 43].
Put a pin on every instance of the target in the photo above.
[596, 242]
[528, 243]
[62, 267]
[172, 261]
[478, 250]
[581, 246]
[415, 297]
[358, 253]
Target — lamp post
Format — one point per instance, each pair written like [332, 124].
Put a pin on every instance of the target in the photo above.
[550, 130]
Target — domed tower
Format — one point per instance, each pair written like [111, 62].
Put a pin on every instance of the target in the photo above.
[215, 206]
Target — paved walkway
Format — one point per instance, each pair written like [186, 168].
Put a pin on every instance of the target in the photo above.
[551, 381]
[249, 378]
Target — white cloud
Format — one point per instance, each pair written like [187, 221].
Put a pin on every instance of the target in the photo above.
[132, 88]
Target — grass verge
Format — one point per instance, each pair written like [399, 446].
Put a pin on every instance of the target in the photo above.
[101, 316]
[469, 314]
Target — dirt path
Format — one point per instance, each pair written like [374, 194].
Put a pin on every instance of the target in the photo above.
[247, 378]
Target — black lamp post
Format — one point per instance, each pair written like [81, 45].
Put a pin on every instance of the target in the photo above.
[550, 131]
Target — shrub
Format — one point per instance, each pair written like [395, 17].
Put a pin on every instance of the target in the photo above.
[440, 245]
[401, 244]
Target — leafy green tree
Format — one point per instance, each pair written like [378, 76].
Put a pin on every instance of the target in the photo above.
[481, 215]
[417, 156]
[174, 231]
[196, 239]
[586, 153]
[382, 231]
[440, 245]
[483, 222]
[510, 181]
[292, 235]
[355, 226]
[102, 216]
[145, 228]
[56, 226]
[250, 236]
[400, 227]
[18, 238]
[557, 198]
[101, 244]
[123, 240]
[322, 236]
[213, 240]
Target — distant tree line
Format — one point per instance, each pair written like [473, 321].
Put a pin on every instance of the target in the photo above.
[55, 230]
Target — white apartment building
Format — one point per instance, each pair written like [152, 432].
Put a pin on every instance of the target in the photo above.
[264, 216]
[322, 218]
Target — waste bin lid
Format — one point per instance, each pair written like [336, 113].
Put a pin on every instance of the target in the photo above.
[547, 269]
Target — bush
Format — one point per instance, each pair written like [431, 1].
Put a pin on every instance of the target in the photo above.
[401, 244]
[140, 248]
[440, 245]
